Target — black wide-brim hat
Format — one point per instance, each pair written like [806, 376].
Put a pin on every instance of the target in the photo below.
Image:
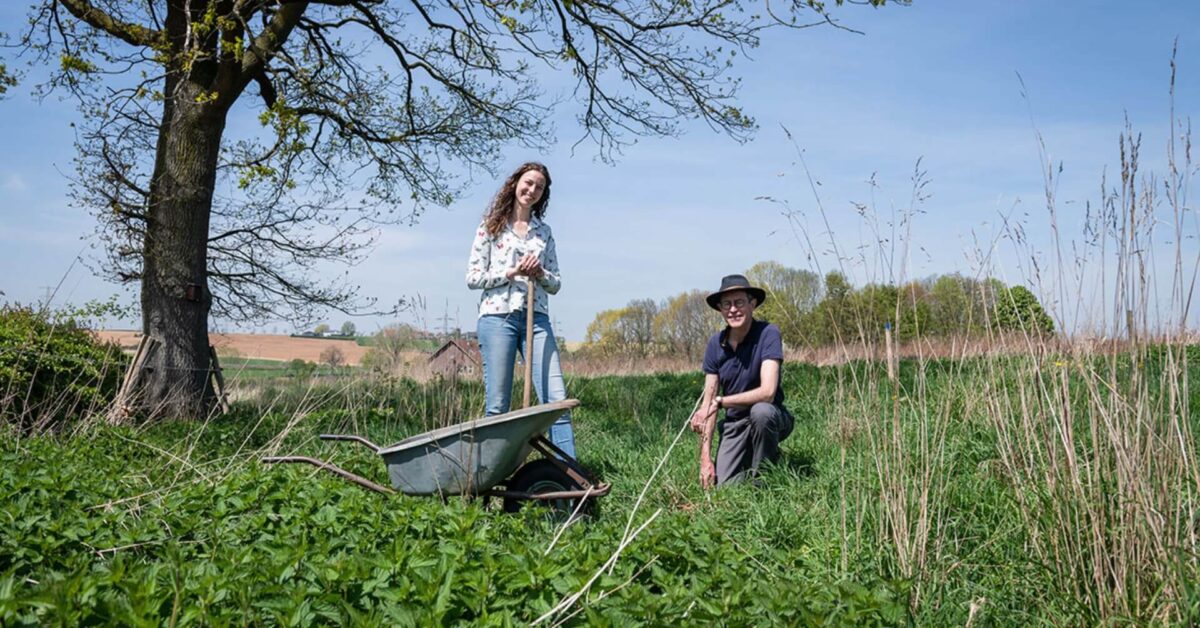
[735, 283]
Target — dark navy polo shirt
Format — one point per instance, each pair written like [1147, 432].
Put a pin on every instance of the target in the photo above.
[740, 370]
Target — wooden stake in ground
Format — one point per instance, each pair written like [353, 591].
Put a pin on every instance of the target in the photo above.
[887, 338]
[133, 367]
[122, 406]
[528, 338]
[218, 380]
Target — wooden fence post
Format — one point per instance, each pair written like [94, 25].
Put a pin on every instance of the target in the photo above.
[891, 354]
[120, 408]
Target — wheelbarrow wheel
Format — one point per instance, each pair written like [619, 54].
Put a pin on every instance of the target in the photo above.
[542, 476]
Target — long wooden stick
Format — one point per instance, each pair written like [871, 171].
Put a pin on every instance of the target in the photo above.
[528, 338]
[218, 380]
[891, 354]
[121, 407]
[137, 356]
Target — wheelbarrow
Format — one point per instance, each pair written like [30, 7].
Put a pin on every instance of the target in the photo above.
[482, 458]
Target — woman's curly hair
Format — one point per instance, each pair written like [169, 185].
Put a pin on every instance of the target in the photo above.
[502, 205]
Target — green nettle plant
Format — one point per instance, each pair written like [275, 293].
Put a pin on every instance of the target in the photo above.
[53, 371]
[178, 523]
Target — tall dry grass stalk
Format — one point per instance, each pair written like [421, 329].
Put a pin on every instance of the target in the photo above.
[1092, 426]
[1098, 444]
[927, 348]
[903, 426]
[583, 365]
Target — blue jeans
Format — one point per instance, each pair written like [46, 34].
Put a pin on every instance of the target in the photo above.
[501, 336]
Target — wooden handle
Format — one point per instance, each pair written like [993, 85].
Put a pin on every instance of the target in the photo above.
[528, 338]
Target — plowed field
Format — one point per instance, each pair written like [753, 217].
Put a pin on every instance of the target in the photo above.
[263, 346]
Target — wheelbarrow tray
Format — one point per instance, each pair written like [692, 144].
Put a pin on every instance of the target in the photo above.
[471, 457]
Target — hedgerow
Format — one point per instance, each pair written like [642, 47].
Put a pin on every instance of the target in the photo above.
[54, 371]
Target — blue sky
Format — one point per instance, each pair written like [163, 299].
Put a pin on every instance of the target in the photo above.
[936, 81]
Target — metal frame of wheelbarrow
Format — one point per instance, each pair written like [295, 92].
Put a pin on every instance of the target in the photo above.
[549, 451]
[559, 458]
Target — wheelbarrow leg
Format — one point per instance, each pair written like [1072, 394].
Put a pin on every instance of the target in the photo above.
[334, 469]
[562, 460]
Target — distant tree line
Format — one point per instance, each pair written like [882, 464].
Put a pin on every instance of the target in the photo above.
[812, 311]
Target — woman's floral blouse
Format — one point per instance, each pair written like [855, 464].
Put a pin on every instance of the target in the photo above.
[491, 257]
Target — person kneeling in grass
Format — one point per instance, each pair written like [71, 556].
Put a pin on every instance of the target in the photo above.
[746, 360]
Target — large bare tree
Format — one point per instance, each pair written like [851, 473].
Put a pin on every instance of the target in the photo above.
[357, 112]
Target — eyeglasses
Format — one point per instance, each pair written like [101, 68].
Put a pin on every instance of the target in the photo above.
[727, 304]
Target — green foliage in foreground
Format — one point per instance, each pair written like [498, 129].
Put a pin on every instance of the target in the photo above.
[178, 523]
[224, 540]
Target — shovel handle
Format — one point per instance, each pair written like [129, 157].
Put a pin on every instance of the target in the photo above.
[529, 285]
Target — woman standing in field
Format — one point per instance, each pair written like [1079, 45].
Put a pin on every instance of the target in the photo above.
[512, 244]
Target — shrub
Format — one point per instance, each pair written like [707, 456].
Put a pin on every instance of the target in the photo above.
[53, 371]
[301, 368]
[1017, 309]
[333, 357]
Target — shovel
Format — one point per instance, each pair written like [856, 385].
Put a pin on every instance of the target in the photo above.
[529, 285]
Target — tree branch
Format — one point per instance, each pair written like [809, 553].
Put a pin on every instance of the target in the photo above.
[128, 32]
[268, 42]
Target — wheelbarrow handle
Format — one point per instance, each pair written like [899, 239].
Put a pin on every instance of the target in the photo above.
[351, 437]
[334, 469]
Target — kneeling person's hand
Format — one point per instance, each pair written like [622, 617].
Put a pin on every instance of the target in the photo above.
[708, 474]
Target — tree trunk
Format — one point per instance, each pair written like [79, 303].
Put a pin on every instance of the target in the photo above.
[175, 298]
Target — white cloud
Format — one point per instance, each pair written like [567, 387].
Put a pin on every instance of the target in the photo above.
[14, 182]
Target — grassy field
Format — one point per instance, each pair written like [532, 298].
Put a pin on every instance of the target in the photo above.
[242, 369]
[936, 500]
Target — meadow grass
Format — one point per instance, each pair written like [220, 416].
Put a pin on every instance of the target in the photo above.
[883, 510]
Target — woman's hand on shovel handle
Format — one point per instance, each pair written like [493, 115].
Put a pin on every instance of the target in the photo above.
[529, 266]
